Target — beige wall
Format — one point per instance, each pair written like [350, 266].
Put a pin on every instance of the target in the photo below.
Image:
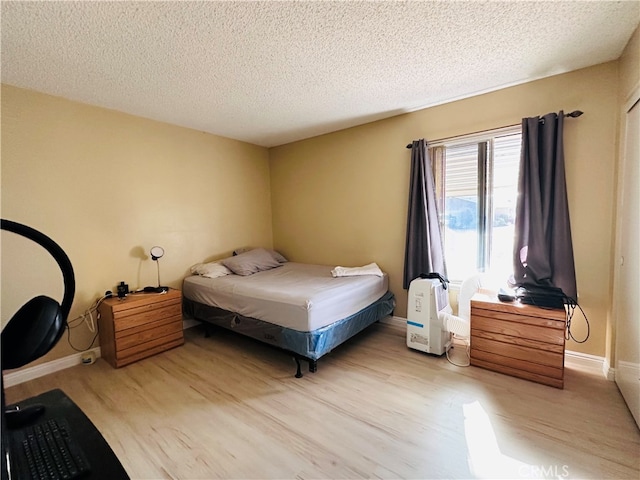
[342, 198]
[89, 178]
[107, 186]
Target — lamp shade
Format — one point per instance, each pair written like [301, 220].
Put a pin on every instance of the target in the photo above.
[156, 252]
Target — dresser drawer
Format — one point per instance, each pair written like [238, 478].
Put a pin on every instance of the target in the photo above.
[520, 330]
[557, 345]
[549, 377]
[554, 371]
[517, 352]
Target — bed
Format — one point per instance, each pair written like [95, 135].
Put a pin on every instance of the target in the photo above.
[300, 308]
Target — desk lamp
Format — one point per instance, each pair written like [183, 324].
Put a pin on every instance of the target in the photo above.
[156, 254]
[38, 325]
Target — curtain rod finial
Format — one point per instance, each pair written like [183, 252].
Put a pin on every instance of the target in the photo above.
[575, 114]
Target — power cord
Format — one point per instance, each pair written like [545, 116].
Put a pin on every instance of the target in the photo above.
[467, 351]
[564, 301]
[571, 308]
[87, 319]
[80, 349]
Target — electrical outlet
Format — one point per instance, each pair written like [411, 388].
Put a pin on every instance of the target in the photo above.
[88, 358]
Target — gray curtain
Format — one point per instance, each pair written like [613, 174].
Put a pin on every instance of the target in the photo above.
[424, 252]
[543, 252]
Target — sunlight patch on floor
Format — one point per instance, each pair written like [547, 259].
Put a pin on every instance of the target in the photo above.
[485, 458]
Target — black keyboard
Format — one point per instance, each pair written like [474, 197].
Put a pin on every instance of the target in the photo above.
[47, 451]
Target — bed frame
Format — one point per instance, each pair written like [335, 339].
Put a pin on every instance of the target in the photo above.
[307, 346]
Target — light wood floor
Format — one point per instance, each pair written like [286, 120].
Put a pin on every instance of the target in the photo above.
[226, 407]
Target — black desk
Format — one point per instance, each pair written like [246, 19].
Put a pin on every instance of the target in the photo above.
[104, 463]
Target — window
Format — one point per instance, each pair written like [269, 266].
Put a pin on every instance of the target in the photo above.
[477, 185]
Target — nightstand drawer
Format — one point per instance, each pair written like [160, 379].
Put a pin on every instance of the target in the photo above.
[144, 316]
[146, 332]
[141, 306]
[144, 350]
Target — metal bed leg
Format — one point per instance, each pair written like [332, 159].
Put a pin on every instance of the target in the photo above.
[298, 370]
[313, 365]
[207, 331]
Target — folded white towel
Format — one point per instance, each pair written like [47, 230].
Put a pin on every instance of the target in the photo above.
[371, 269]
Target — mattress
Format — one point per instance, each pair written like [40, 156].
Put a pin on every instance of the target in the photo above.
[297, 296]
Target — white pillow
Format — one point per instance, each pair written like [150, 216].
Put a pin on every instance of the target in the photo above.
[253, 261]
[211, 270]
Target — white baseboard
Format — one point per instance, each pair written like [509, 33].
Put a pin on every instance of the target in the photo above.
[590, 362]
[608, 371]
[29, 373]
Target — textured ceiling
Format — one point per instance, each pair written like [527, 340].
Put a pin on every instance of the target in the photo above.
[272, 72]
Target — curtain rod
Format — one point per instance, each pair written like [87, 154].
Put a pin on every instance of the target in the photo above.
[574, 114]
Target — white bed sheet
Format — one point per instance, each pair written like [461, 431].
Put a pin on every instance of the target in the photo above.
[299, 296]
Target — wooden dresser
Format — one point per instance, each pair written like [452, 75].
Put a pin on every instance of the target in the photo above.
[519, 340]
[140, 325]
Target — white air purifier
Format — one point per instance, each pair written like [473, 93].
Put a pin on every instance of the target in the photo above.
[425, 329]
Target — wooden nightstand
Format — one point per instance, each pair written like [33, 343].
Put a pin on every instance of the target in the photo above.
[519, 340]
[140, 325]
